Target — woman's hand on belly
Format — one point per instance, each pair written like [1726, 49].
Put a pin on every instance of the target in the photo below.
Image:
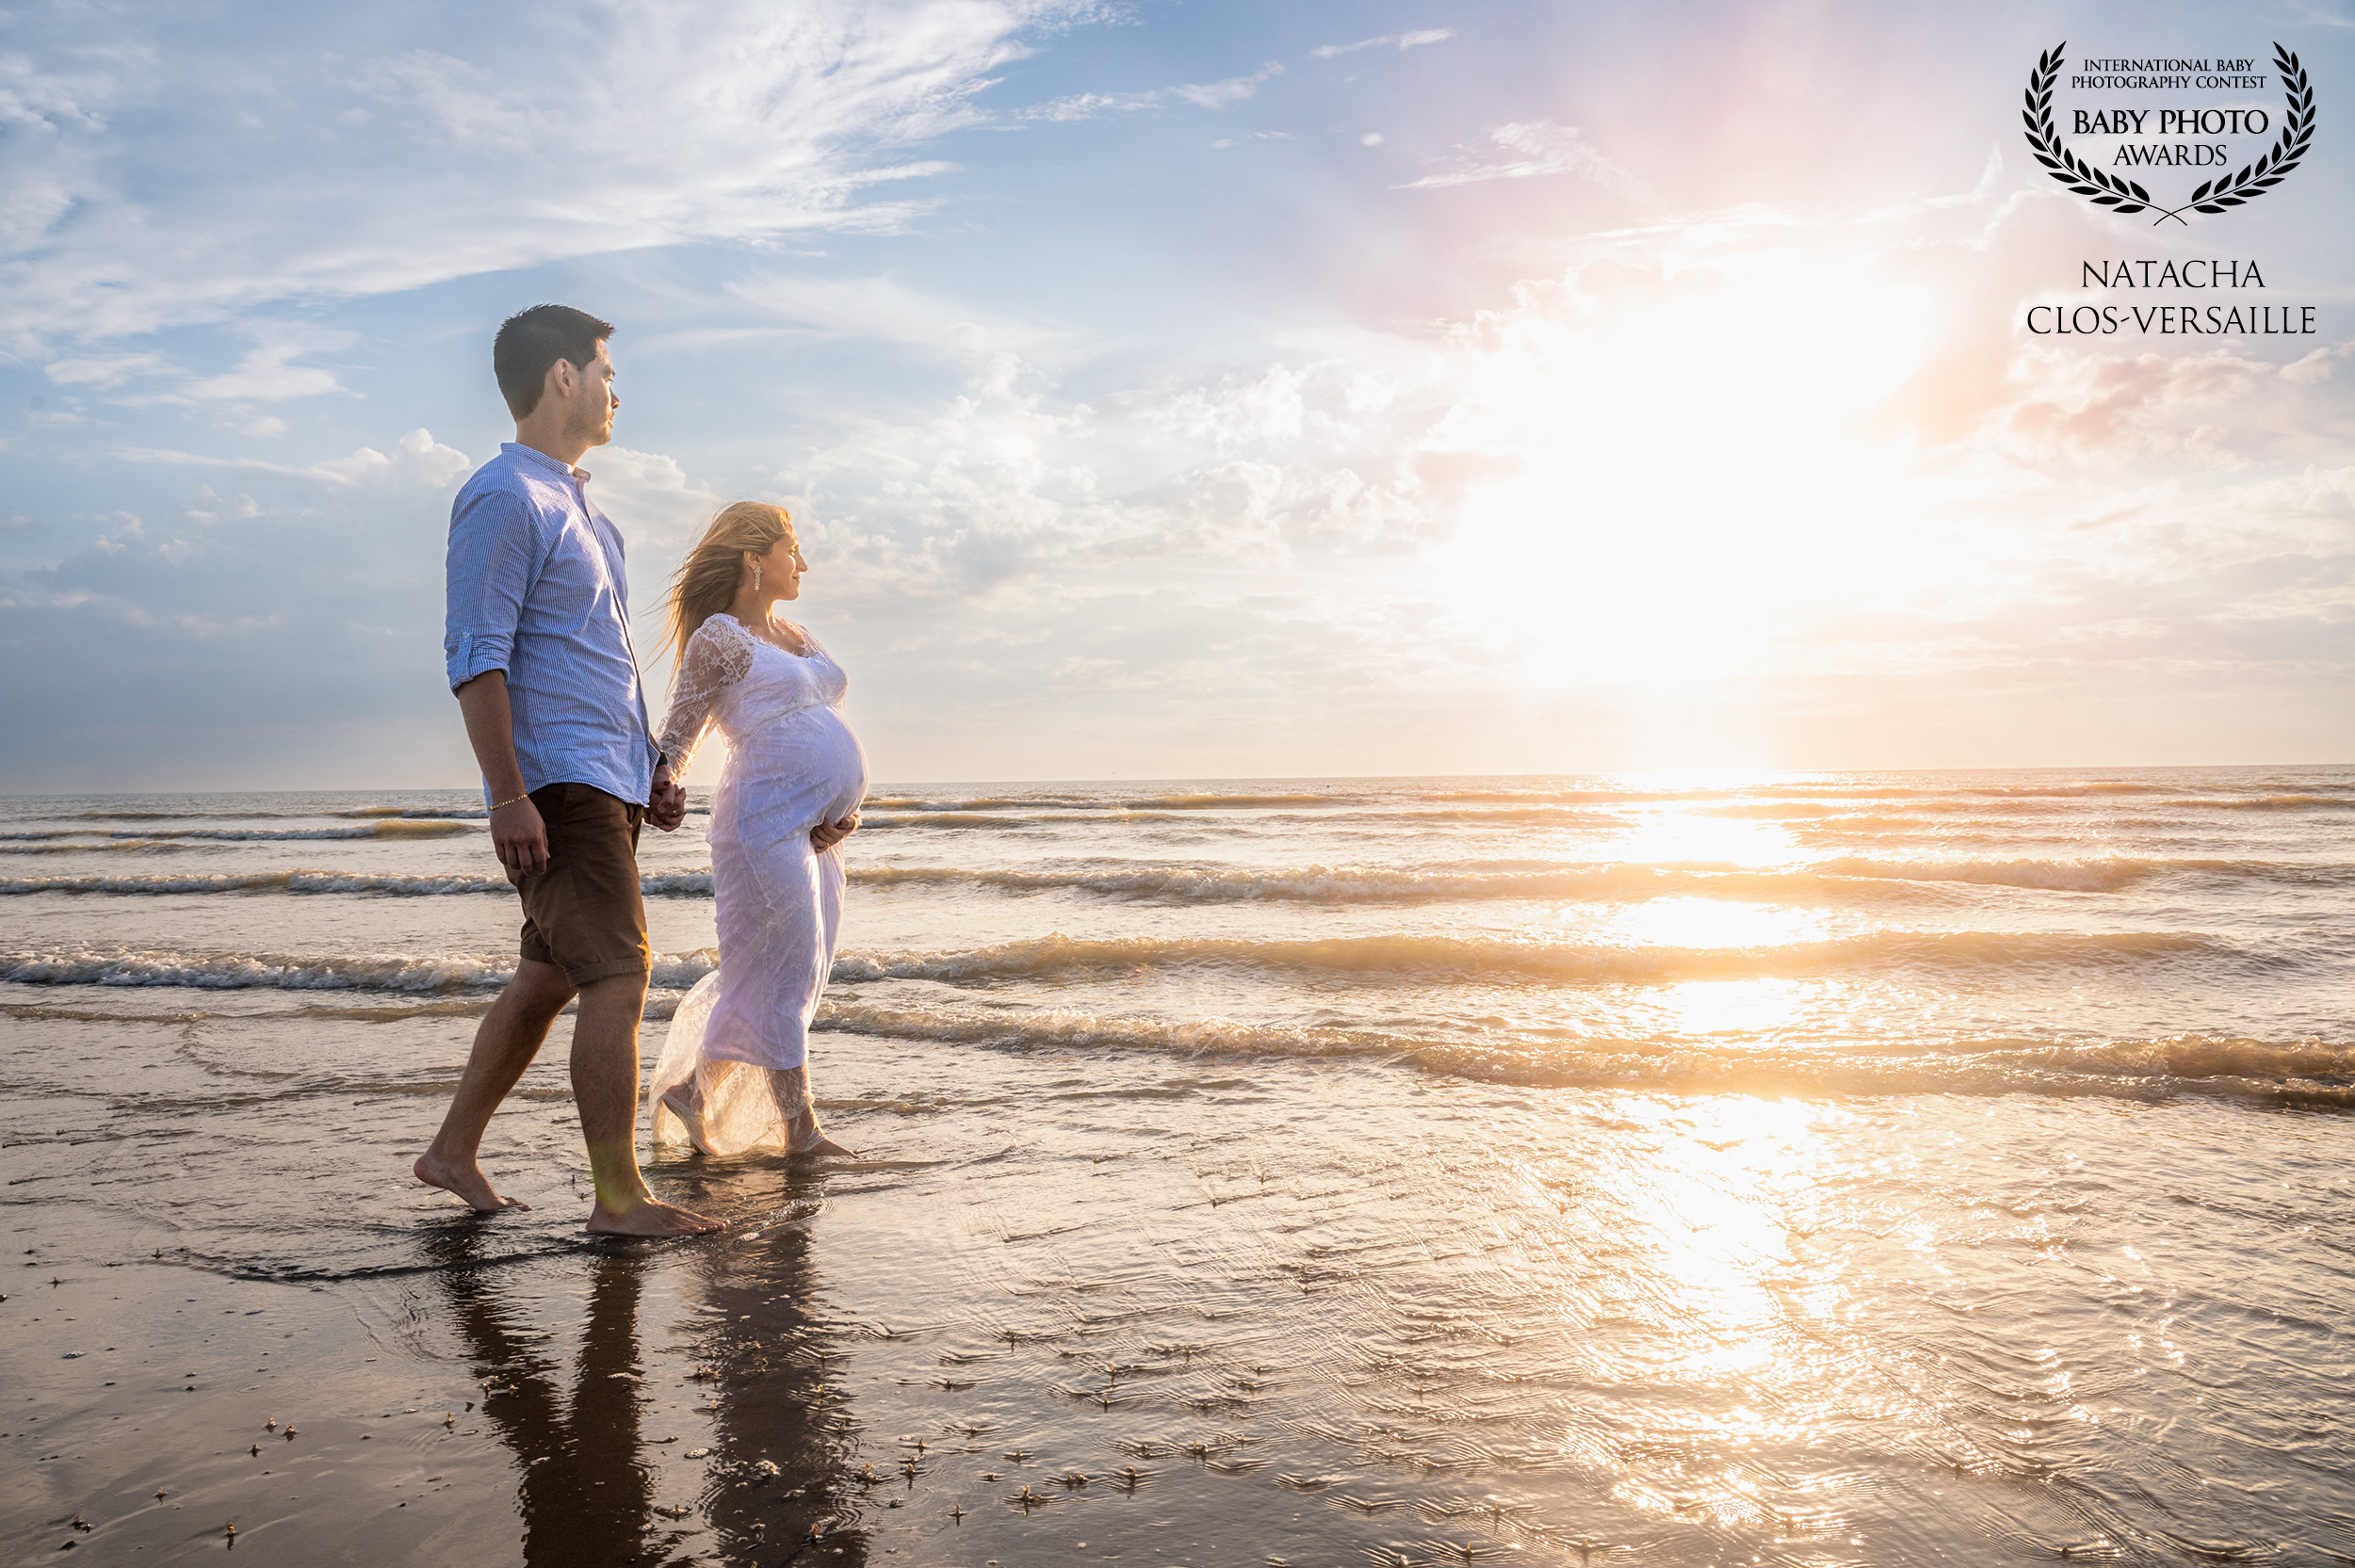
[827, 834]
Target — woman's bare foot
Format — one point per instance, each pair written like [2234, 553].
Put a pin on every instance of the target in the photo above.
[682, 1101]
[825, 1148]
[467, 1180]
[651, 1218]
[687, 1103]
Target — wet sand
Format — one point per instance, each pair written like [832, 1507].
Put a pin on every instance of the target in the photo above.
[1086, 1306]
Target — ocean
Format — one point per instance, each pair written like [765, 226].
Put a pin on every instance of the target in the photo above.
[1814, 1168]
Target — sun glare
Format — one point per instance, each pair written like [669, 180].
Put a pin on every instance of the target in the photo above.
[1693, 475]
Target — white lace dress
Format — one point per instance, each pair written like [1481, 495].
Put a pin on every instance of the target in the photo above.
[734, 1071]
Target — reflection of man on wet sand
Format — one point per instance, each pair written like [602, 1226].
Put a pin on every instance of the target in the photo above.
[541, 661]
[585, 1490]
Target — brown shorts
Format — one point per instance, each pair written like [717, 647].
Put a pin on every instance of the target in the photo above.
[585, 914]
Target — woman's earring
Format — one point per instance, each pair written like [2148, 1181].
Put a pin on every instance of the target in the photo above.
[755, 576]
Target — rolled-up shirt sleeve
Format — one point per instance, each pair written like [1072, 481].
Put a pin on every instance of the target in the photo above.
[493, 556]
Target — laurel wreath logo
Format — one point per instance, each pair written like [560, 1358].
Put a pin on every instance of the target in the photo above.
[2124, 196]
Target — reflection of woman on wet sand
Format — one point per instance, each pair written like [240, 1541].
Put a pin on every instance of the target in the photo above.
[734, 1072]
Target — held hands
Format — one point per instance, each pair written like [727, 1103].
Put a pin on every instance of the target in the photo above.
[827, 834]
[519, 837]
[666, 808]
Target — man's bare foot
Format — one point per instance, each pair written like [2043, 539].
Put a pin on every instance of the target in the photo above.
[652, 1219]
[467, 1180]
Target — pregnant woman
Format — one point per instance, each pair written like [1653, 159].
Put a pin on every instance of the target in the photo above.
[734, 1072]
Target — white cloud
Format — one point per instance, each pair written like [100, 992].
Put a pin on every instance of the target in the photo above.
[1222, 94]
[1228, 94]
[127, 529]
[1087, 105]
[2318, 365]
[650, 497]
[1532, 149]
[416, 459]
[265, 373]
[1401, 41]
[2112, 406]
[884, 309]
[433, 463]
[217, 507]
[268, 374]
[333, 470]
[726, 120]
[1011, 492]
[72, 95]
[105, 372]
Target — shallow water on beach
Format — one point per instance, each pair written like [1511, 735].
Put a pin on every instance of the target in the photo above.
[1814, 1170]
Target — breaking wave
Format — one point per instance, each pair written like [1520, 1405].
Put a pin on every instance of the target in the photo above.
[109, 838]
[1426, 959]
[1475, 959]
[1848, 880]
[1182, 800]
[677, 885]
[2093, 875]
[420, 813]
[2303, 1072]
[432, 973]
[299, 881]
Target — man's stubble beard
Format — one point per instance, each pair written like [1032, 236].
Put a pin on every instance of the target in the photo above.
[595, 430]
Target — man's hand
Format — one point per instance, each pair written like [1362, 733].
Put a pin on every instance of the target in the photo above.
[519, 837]
[667, 806]
[827, 834]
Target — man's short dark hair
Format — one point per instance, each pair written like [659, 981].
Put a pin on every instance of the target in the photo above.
[531, 341]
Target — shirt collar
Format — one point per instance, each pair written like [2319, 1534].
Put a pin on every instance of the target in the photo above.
[532, 454]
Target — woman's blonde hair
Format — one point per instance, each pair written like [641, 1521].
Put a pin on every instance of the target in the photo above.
[707, 579]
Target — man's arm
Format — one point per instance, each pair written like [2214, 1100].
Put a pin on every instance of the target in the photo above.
[493, 556]
[519, 835]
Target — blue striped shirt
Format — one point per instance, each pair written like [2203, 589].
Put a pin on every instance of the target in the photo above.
[537, 588]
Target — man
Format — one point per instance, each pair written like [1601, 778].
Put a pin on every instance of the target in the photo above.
[545, 673]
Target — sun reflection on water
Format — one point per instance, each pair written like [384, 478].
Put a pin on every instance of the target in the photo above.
[1693, 922]
[1730, 1010]
[1681, 831]
[1713, 1200]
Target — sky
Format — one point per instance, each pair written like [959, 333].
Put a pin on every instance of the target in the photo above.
[1180, 390]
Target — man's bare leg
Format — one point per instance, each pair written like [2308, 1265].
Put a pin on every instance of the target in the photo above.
[605, 1087]
[505, 1043]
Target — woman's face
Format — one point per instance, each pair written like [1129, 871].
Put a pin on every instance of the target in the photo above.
[780, 569]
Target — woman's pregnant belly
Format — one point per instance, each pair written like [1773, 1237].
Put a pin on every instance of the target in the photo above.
[793, 773]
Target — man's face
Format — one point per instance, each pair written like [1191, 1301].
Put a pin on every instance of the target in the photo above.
[589, 417]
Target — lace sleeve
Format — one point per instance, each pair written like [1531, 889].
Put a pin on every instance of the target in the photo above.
[717, 657]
